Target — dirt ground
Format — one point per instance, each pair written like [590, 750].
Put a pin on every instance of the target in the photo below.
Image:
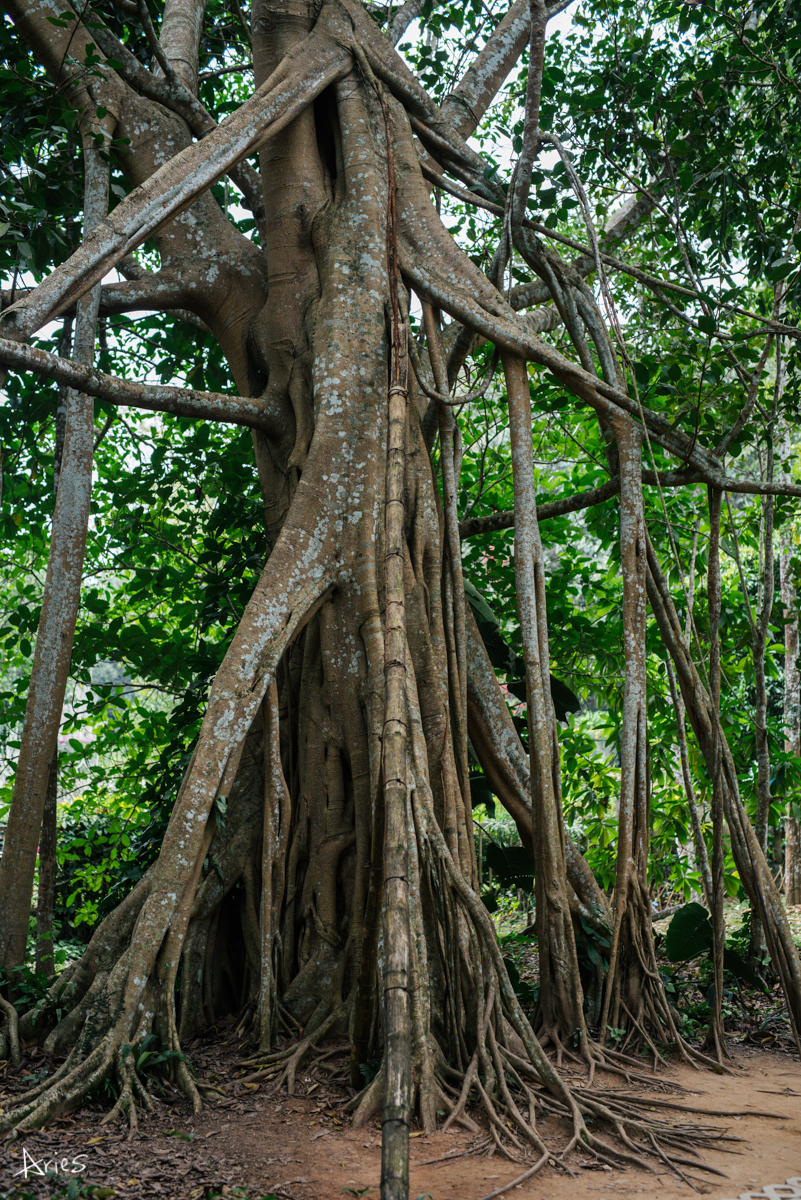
[256, 1143]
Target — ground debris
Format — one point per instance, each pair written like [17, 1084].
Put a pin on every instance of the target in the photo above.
[302, 1147]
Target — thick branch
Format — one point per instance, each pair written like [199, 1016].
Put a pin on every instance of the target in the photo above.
[181, 27]
[317, 63]
[403, 19]
[469, 101]
[180, 99]
[152, 291]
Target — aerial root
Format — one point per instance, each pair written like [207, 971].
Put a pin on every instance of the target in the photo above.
[70, 1084]
[183, 1077]
[539, 1164]
[616, 1062]
[333, 1052]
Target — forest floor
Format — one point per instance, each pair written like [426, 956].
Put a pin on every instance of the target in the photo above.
[254, 1143]
[251, 1142]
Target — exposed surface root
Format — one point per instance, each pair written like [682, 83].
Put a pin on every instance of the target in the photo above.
[9, 1037]
[283, 1064]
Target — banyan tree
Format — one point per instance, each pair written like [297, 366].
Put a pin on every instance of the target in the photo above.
[330, 781]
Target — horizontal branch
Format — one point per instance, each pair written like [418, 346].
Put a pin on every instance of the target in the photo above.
[150, 292]
[181, 402]
[495, 522]
[553, 508]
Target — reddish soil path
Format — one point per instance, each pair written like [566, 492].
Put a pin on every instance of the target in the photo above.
[302, 1148]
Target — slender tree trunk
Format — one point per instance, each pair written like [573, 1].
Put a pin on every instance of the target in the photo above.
[633, 998]
[752, 866]
[701, 853]
[715, 1036]
[396, 1119]
[60, 602]
[702, 857]
[455, 623]
[561, 998]
[758, 947]
[792, 721]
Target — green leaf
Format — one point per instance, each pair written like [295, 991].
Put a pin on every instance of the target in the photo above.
[482, 793]
[564, 701]
[479, 604]
[498, 650]
[737, 966]
[689, 933]
[779, 269]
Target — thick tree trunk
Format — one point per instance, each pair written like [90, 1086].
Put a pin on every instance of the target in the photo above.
[47, 875]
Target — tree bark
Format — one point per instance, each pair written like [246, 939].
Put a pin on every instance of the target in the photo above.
[45, 962]
[396, 1118]
[792, 720]
[561, 997]
[715, 1035]
[634, 997]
